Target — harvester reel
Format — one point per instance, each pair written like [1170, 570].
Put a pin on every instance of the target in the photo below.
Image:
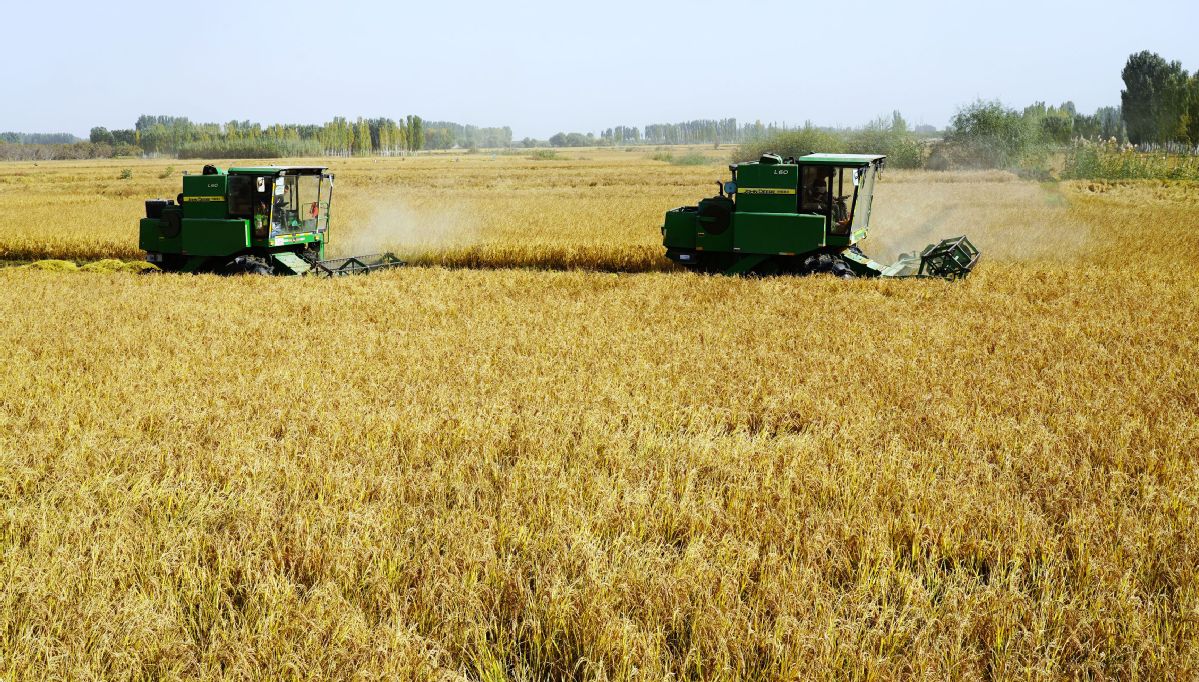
[354, 265]
[952, 258]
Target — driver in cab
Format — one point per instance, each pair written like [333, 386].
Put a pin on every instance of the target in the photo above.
[815, 187]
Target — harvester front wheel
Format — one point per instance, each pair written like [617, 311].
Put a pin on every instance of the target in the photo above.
[827, 264]
[841, 269]
[248, 265]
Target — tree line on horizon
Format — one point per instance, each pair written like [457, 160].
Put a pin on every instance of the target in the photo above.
[1160, 101]
[699, 131]
[1159, 105]
[180, 136]
[38, 138]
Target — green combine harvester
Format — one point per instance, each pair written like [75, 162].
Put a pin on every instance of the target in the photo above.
[802, 216]
[260, 221]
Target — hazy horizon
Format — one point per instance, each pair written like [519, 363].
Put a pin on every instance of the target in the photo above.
[544, 68]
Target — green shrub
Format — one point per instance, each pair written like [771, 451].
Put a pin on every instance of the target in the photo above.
[690, 159]
[883, 136]
[902, 148]
[792, 143]
[122, 149]
[987, 134]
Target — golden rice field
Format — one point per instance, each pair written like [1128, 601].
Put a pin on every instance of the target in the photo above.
[545, 455]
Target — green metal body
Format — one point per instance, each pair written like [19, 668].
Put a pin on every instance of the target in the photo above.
[277, 216]
[794, 215]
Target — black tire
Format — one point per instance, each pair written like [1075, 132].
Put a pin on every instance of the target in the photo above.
[248, 265]
[817, 263]
[827, 264]
[841, 269]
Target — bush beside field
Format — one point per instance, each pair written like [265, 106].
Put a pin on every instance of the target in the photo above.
[1090, 161]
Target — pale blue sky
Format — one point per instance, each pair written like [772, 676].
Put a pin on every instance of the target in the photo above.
[542, 67]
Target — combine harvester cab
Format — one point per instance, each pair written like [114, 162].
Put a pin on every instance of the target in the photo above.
[256, 220]
[801, 216]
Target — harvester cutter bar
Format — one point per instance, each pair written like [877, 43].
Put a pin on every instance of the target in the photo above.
[354, 265]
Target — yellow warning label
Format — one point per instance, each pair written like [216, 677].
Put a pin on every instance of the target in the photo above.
[291, 238]
[764, 190]
[192, 199]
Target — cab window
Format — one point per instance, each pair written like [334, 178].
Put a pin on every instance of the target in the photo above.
[816, 186]
[241, 196]
[297, 206]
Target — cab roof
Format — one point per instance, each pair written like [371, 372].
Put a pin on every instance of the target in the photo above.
[840, 159]
[279, 170]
